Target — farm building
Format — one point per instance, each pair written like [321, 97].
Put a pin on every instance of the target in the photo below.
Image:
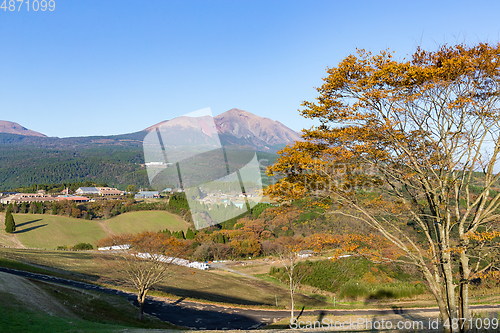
[102, 191]
[27, 198]
[147, 195]
[87, 190]
[108, 191]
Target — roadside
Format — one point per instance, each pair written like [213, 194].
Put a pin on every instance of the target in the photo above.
[210, 316]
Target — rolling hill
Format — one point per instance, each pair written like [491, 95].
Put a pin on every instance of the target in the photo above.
[51, 231]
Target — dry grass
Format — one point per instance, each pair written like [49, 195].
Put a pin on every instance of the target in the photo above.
[210, 286]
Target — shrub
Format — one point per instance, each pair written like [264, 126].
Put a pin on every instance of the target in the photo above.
[83, 246]
[397, 290]
[202, 252]
[353, 290]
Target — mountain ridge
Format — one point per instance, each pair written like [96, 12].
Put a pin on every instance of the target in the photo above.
[119, 159]
[235, 127]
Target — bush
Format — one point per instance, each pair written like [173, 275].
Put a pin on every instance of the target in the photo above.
[202, 252]
[83, 246]
[397, 290]
[353, 290]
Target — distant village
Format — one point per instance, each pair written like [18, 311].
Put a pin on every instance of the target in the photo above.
[93, 194]
[82, 194]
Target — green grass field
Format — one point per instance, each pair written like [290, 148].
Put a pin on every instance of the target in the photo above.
[49, 231]
[136, 222]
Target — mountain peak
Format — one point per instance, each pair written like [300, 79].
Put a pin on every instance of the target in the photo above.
[243, 124]
[14, 128]
[241, 127]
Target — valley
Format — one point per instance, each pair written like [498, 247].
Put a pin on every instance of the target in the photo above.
[337, 269]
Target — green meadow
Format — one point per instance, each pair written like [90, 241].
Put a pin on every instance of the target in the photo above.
[51, 231]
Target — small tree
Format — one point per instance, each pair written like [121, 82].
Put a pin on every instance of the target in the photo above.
[10, 224]
[189, 234]
[145, 263]
[289, 258]
[221, 239]
[131, 188]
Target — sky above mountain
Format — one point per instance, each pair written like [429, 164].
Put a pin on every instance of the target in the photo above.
[109, 67]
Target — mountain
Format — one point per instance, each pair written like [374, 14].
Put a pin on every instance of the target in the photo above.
[28, 157]
[235, 127]
[14, 128]
[264, 132]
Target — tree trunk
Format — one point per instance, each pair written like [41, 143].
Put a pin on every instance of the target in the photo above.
[438, 295]
[450, 295]
[141, 311]
[292, 317]
[463, 292]
[463, 305]
[141, 297]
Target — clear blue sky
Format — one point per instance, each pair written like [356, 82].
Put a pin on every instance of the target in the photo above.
[118, 66]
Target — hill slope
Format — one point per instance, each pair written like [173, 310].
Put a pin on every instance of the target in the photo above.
[15, 128]
[50, 231]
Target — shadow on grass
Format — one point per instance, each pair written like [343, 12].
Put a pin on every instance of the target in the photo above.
[27, 222]
[201, 317]
[29, 229]
[197, 294]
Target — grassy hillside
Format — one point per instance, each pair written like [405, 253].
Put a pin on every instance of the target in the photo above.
[135, 222]
[34, 306]
[49, 231]
[357, 277]
[212, 285]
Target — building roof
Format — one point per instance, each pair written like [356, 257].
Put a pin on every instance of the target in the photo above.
[28, 197]
[72, 198]
[109, 191]
[88, 189]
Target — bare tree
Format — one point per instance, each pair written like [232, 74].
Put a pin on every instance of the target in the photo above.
[289, 258]
[141, 262]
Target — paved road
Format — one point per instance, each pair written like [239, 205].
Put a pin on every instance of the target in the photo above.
[208, 316]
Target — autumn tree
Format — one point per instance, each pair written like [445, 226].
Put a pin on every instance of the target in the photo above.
[131, 189]
[141, 261]
[409, 147]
